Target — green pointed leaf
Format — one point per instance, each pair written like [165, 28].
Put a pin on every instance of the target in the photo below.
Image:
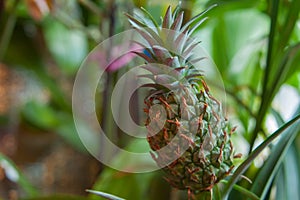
[167, 20]
[286, 68]
[291, 172]
[15, 175]
[150, 36]
[195, 60]
[192, 30]
[243, 191]
[177, 10]
[180, 42]
[105, 195]
[134, 22]
[147, 19]
[147, 37]
[265, 176]
[151, 18]
[190, 47]
[264, 179]
[286, 181]
[242, 168]
[279, 182]
[289, 23]
[186, 26]
[277, 116]
[177, 22]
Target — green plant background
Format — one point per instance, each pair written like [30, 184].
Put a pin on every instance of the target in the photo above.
[254, 43]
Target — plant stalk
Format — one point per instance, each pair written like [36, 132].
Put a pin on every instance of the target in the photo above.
[266, 97]
[203, 195]
[8, 30]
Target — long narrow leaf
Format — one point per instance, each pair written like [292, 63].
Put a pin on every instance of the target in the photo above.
[151, 41]
[151, 18]
[186, 26]
[177, 22]
[242, 168]
[244, 191]
[134, 22]
[289, 23]
[277, 116]
[279, 182]
[291, 169]
[105, 195]
[286, 67]
[18, 176]
[192, 30]
[266, 175]
[287, 176]
[167, 20]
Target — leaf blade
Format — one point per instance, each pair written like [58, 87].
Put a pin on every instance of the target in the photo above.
[242, 168]
[105, 195]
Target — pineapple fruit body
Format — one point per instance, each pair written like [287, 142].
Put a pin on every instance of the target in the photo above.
[187, 131]
[200, 151]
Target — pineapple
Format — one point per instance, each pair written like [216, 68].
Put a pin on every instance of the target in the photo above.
[187, 131]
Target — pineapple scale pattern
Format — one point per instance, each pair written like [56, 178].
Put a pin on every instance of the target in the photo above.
[181, 112]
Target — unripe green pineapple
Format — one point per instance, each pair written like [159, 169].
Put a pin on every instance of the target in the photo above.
[187, 131]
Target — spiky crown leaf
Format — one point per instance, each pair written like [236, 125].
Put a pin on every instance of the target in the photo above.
[170, 42]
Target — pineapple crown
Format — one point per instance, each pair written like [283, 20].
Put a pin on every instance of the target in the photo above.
[169, 44]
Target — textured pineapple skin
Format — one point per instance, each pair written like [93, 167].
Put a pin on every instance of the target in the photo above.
[203, 148]
[187, 131]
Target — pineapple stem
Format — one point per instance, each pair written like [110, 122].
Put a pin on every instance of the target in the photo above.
[202, 195]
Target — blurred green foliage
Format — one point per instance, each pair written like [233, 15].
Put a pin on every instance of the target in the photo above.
[254, 43]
